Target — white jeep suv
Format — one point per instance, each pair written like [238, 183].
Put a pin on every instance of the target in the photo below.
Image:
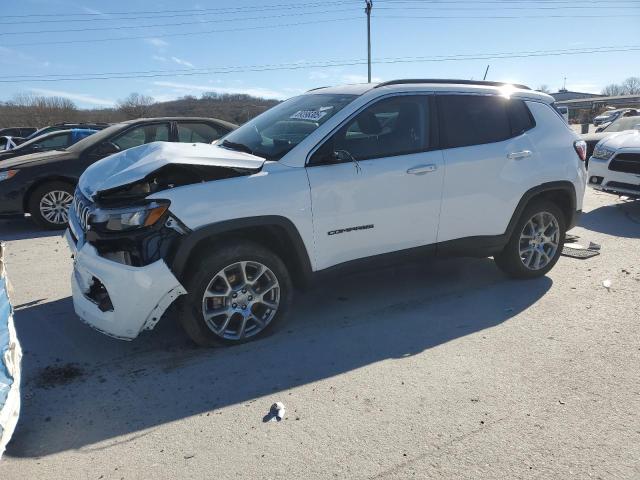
[614, 166]
[335, 178]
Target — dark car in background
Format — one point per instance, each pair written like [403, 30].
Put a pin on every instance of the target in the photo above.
[620, 125]
[61, 126]
[17, 131]
[42, 184]
[57, 140]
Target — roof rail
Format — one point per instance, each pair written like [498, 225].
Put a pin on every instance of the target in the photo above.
[317, 88]
[450, 80]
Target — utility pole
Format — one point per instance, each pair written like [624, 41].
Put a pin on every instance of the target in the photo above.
[367, 10]
[485, 73]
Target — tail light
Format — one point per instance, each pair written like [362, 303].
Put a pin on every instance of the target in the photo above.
[581, 149]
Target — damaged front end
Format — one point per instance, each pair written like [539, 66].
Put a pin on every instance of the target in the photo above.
[123, 243]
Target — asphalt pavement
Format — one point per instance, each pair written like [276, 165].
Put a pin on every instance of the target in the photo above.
[439, 369]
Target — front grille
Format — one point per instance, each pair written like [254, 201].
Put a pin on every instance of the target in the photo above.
[625, 186]
[82, 209]
[626, 162]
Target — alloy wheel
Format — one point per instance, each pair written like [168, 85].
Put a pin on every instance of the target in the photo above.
[54, 206]
[241, 300]
[539, 240]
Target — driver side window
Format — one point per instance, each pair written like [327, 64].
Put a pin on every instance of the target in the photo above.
[142, 135]
[393, 126]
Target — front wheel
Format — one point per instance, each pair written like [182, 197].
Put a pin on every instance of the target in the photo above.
[49, 205]
[236, 293]
[536, 243]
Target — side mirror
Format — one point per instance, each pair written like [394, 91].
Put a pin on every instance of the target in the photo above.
[342, 156]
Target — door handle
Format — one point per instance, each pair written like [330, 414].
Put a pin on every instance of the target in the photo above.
[519, 155]
[422, 169]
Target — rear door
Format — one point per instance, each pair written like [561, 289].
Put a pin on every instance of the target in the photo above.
[490, 162]
[376, 183]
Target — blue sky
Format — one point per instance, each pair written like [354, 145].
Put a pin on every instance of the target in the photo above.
[303, 33]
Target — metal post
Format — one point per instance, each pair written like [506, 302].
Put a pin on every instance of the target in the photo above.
[367, 9]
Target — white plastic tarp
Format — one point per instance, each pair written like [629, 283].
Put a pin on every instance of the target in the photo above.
[10, 356]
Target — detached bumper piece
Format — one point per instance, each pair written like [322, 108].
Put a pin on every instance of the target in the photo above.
[10, 357]
[117, 299]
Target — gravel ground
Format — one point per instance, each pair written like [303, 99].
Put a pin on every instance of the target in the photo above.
[445, 369]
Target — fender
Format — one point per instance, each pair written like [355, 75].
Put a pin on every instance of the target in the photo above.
[191, 240]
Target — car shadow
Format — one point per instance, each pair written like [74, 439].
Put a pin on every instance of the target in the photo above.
[22, 228]
[81, 387]
[616, 219]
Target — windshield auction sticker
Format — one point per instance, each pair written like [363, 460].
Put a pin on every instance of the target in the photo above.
[311, 115]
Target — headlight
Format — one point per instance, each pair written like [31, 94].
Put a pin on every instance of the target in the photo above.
[123, 219]
[7, 174]
[603, 153]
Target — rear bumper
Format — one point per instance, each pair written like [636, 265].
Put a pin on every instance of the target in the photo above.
[117, 299]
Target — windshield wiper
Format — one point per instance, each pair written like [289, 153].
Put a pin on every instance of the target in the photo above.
[240, 147]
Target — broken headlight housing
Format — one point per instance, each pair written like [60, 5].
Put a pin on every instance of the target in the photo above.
[129, 218]
[603, 153]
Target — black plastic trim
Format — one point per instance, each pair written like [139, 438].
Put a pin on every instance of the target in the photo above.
[189, 242]
[448, 81]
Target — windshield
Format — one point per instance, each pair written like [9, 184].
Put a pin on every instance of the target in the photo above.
[625, 123]
[275, 132]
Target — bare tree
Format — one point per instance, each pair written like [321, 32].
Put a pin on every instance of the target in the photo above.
[543, 88]
[34, 110]
[631, 86]
[136, 105]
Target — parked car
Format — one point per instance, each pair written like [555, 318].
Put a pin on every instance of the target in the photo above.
[61, 126]
[42, 184]
[17, 131]
[614, 166]
[57, 140]
[621, 124]
[333, 179]
[7, 143]
[612, 115]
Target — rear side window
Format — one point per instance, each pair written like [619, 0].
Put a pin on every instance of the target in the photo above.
[520, 117]
[198, 132]
[473, 120]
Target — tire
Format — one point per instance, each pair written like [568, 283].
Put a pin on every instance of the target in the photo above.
[209, 274]
[512, 262]
[42, 197]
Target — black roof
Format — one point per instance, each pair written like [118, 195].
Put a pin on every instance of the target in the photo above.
[450, 80]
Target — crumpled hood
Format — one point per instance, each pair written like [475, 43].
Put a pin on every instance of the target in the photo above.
[625, 139]
[34, 158]
[136, 163]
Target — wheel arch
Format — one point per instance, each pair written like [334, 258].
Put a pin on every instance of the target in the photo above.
[562, 193]
[276, 233]
[42, 181]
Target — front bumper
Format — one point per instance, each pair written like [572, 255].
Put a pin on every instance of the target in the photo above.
[137, 296]
[619, 183]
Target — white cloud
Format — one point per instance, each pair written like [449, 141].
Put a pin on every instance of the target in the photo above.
[318, 75]
[159, 58]
[156, 42]
[179, 61]
[181, 89]
[354, 78]
[76, 97]
[585, 87]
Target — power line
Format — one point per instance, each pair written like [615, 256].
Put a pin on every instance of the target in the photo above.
[186, 13]
[498, 17]
[330, 63]
[180, 34]
[224, 20]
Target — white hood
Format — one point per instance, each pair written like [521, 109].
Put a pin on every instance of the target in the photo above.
[625, 139]
[136, 163]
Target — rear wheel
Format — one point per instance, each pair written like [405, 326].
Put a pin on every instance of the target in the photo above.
[49, 204]
[536, 243]
[237, 293]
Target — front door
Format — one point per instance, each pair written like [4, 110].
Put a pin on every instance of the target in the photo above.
[375, 184]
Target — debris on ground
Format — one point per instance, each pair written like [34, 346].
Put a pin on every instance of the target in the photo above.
[52, 376]
[577, 250]
[606, 284]
[276, 412]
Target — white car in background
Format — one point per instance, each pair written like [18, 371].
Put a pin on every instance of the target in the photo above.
[614, 166]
